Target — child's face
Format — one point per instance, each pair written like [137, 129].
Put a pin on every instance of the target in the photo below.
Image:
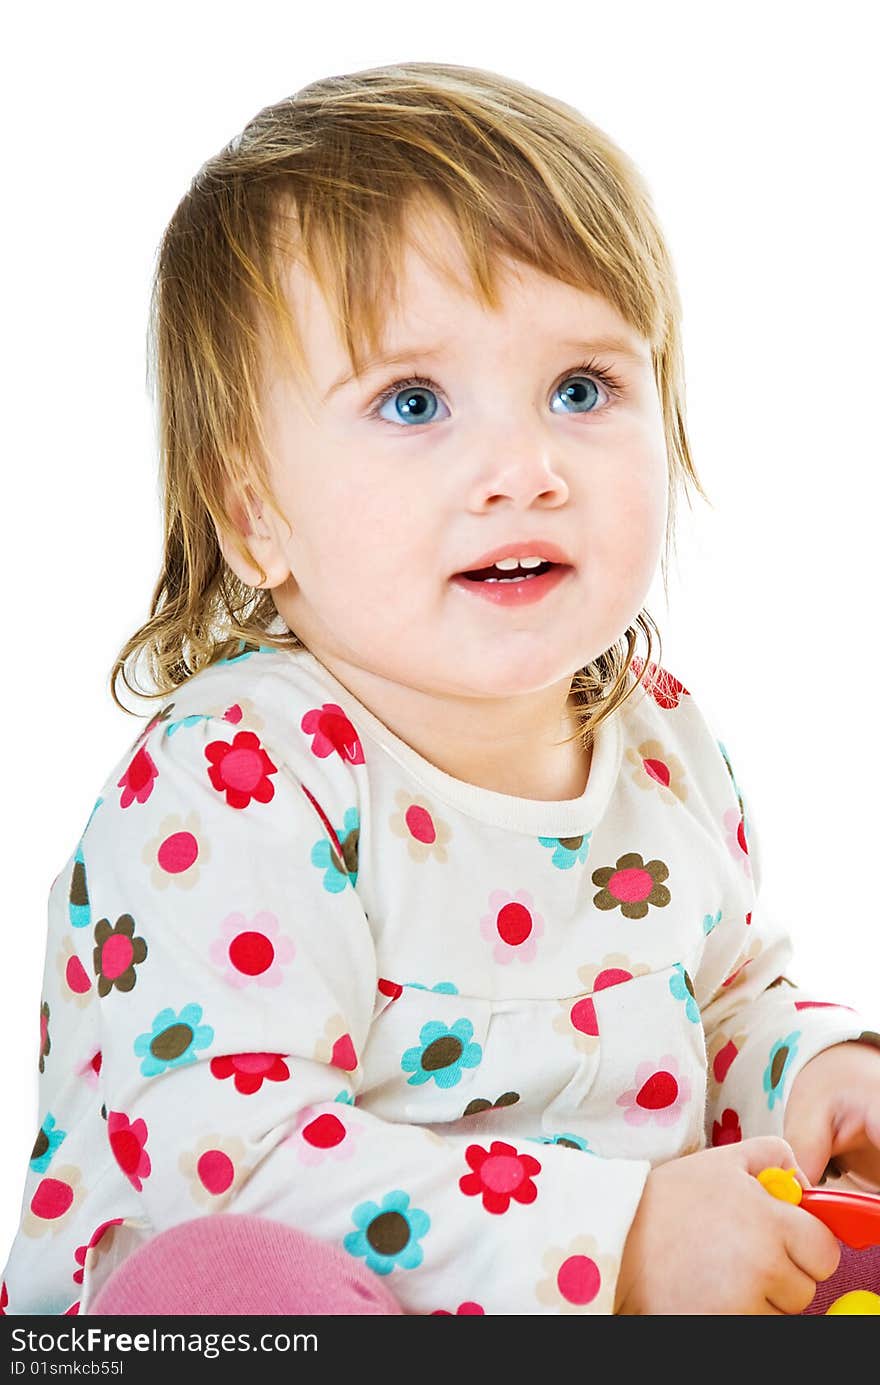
[386, 510]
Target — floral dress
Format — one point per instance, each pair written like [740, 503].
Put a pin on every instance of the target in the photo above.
[294, 969]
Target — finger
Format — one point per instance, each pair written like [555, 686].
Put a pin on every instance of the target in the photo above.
[771, 1151]
[809, 1135]
[811, 1246]
[793, 1293]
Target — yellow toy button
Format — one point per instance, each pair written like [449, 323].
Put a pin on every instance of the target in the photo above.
[782, 1183]
[860, 1301]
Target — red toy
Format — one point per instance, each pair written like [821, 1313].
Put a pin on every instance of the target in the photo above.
[854, 1218]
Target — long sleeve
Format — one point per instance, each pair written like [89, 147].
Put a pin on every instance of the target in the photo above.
[237, 983]
[761, 1028]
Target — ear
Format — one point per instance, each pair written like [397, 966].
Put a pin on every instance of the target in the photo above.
[255, 528]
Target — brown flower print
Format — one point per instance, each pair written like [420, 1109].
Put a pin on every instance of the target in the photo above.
[480, 1103]
[417, 822]
[116, 954]
[632, 884]
[45, 1041]
[656, 770]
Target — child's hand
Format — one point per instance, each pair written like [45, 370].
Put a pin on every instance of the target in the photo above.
[833, 1111]
[708, 1238]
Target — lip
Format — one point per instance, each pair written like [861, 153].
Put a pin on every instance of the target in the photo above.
[514, 595]
[539, 548]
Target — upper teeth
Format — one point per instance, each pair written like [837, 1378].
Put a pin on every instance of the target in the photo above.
[509, 564]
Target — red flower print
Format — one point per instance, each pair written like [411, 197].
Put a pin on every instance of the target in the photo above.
[464, 1310]
[81, 1251]
[343, 1055]
[250, 1070]
[820, 1005]
[137, 781]
[392, 989]
[665, 689]
[727, 1131]
[128, 1141]
[4, 1299]
[499, 1173]
[241, 770]
[513, 926]
[331, 730]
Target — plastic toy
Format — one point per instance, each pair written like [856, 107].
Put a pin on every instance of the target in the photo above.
[853, 1218]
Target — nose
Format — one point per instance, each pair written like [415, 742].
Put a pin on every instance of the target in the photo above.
[521, 467]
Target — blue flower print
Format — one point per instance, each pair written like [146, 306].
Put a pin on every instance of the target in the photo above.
[245, 652]
[173, 1041]
[325, 858]
[566, 1138]
[567, 851]
[345, 1097]
[47, 1142]
[191, 720]
[442, 1053]
[443, 987]
[710, 922]
[79, 905]
[388, 1235]
[682, 988]
[782, 1055]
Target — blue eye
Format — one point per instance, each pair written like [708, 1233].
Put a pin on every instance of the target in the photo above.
[412, 406]
[575, 393]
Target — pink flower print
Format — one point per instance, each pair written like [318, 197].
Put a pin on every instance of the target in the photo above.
[512, 927]
[631, 885]
[76, 984]
[128, 1141]
[323, 1134]
[665, 689]
[336, 1045]
[137, 781]
[579, 1278]
[252, 953]
[241, 770]
[498, 1174]
[331, 730]
[654, 769]
[89, 1070]
[418, 823]
[468, 1309]
[214, 1167]
[54, 1201]
[735, 839]
[578, 1019]
[177, 852]
[85, 1256]
[660, 1094]
[742, 961]
[250, 1070]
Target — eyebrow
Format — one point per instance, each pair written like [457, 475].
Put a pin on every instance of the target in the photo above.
[615, 346]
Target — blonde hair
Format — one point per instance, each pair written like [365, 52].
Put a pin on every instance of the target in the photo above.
[522, 174]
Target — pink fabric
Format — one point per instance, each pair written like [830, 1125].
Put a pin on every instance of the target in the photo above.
[231, 1264]
[858, 1269]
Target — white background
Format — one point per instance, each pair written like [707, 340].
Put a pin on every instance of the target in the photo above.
[757, 131]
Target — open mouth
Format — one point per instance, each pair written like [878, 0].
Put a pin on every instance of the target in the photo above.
[492, 574]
